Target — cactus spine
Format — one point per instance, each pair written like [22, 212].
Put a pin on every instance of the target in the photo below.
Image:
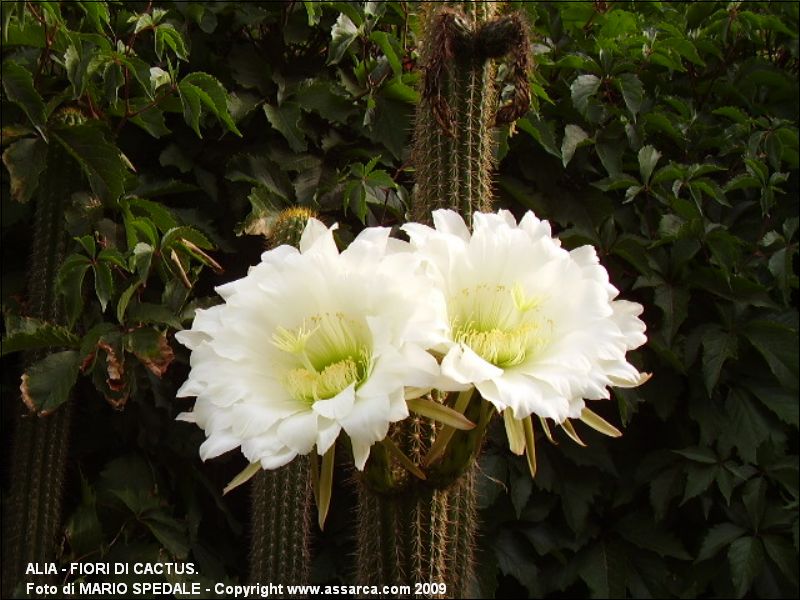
[413, 531]
[453, 150]
[32, 509]
[281, 524]
[281, 499]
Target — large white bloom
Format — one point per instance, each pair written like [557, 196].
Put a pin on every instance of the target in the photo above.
[309, 343]
[533, 327]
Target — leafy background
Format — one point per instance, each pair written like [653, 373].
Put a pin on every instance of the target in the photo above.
[665, 134]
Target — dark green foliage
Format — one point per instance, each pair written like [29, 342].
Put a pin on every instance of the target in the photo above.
[32, 508]
[663, 133]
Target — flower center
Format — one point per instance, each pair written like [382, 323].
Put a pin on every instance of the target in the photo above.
[498, 323]
[332, 352]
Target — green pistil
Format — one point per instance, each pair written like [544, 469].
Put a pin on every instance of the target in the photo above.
[498, 323]
[332, 354]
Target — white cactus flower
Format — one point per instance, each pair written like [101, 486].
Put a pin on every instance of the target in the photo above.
[310, 343]
[535, 328]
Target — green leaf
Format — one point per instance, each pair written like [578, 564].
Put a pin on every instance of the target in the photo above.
[698, 480]
[779, 400]
[718, 347]
[632, 92]
[262, 171]
[103, 283]
[170, 533]
[25, 160]
[286, 119]
[641, 531]
[779, 346]
[719, 537]
[390, 48]
[70, 285]
[343, 33]
[699, 454]
[192, 105]
[25, 333]
[77, 59]
[166, 35]
[324, 99]
[47, 383]
[159, 214]
[674, 302]
[100, 159]
[573, 137]
[18, 85]
[783, 554]
[751, 428]
[83, 529]
[151, 121]
[604, 570]
[215, 97]
[746, 558]
[542, 131]
[314, 10]
[733, 113]
[582, 90]
[648, 157]
[97, 13]
[513, 552]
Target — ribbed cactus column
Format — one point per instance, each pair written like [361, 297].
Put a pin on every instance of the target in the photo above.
[413, 531]
[281, 499]
[453, 153]
[32, 508]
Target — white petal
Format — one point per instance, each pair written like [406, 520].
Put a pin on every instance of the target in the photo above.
[317, 238]
[462, 365]
[450, 222]
[218, 444]
[299, 432]
[328, 432]
[368, 422]
[337, 407]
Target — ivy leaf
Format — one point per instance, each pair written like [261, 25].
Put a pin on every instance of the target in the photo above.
[511, 551]
[97, 13]
[83, 529]
[47, 383]
[718, 347]
[778, 345]
[779, 400]
[573, 137]
[751, 428]
[26, 333]
[215, 97]
[542, 131]
[632, 92]
[169, 532]
[343, 33]
[70, 285]
[25, 160]
[718, 537]
[286, 119]
[783, 554]
[103, 283]
[18, 85]
[604, 570]
[100, 159]
[166, 35]
[583, 89]
[648, 157]
[746, 558]
[642, 531]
